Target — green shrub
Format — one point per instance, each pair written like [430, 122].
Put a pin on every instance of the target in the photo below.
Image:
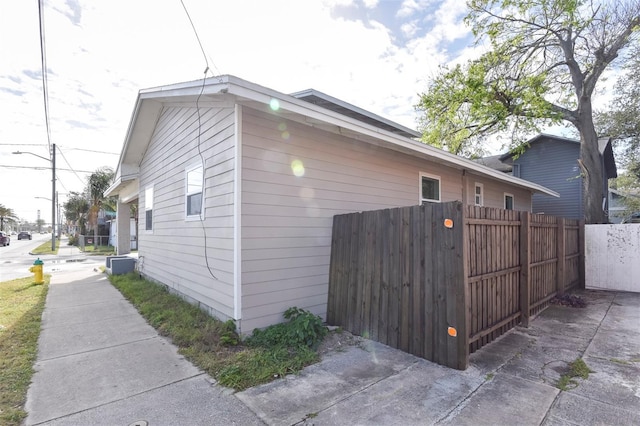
[229, 335]
[301, 329]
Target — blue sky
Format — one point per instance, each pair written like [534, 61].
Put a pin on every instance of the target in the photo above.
[376, 54]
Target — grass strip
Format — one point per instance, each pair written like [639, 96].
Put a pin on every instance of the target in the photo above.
[210, 344]
[99, 250]
[45, 248]
[21, 306]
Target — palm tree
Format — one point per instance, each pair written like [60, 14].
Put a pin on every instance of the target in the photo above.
[76, 209]
[99, 181]
[6, 215]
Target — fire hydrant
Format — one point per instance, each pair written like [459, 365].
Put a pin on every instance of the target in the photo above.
[37, 271]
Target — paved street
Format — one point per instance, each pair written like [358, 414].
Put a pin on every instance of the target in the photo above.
[15, 259]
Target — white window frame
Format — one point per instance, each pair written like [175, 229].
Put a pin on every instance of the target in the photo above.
[513, 201]
[475, 194]
[148, 205]
[433, 177]
[187, 193]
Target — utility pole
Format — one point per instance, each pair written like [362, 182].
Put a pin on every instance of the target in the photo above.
[53, 198]
[59, 223]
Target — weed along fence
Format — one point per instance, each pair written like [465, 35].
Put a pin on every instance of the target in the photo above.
[441, 280]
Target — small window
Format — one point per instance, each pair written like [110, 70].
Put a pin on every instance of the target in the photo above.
[148, 208]
[479, 194]
[516, 170]
[193, 201]
[429, 188]
[508, 201]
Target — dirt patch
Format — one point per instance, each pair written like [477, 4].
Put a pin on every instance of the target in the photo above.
[570, 300]
[338, 340]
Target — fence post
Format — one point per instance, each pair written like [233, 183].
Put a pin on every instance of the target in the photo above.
[463, 298]
[560, 252]
[525, 265]
[581, 230]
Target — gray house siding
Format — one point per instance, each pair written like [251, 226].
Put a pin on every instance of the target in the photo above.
[173, 252]
[553, 164]
[287, 218]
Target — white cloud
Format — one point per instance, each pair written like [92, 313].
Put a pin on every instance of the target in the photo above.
[102, 53]
[409, 29]
[408, 8]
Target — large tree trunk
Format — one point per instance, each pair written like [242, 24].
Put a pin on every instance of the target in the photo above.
[592, 167]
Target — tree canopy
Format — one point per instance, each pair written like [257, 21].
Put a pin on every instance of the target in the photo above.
[621, 121]
[76, 209]
[99, 182]
[7, 215]
[542, 62]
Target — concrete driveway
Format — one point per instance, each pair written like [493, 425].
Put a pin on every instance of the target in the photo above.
[509, 382]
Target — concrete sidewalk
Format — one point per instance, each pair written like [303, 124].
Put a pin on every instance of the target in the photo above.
[100, 363]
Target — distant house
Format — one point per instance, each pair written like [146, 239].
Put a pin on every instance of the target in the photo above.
[618, 209]
[552, 161]
[237, 186]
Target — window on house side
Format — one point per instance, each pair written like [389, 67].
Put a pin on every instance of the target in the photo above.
[479, 194]
[515, 171]
[508, 201]
[429, 188]
[148, 208]
[194, 191]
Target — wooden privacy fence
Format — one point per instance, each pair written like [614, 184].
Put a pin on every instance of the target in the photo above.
[442, 280]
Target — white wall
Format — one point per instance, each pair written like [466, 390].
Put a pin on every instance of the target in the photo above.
[612, 257]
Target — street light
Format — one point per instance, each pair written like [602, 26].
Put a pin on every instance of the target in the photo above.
[53, 191]
[57, 204]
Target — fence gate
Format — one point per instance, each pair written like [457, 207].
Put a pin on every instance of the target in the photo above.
[397, 277]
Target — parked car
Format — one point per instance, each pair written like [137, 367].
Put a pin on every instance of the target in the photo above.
[24, 235]
[5, 240]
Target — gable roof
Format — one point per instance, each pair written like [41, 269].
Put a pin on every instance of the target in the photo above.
[495, 162]
[229, 90]
[604, 147]
[334, 104]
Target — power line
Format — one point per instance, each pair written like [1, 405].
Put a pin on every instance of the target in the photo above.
[23, 144]
[43, 61]
[91, 150]
[204, 80]
[45, 168]
[199, 43]
[60, 182]
[71, 168]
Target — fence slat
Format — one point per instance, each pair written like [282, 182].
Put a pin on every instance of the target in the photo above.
[428, 284]
[394, 278]
[560, 254]
[385, 250]
[417, 288]
[525, 276]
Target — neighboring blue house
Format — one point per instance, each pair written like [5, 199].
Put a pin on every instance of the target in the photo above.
[552, 161]
[618, 205]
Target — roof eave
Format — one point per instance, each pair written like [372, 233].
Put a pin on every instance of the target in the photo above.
[243, 89]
